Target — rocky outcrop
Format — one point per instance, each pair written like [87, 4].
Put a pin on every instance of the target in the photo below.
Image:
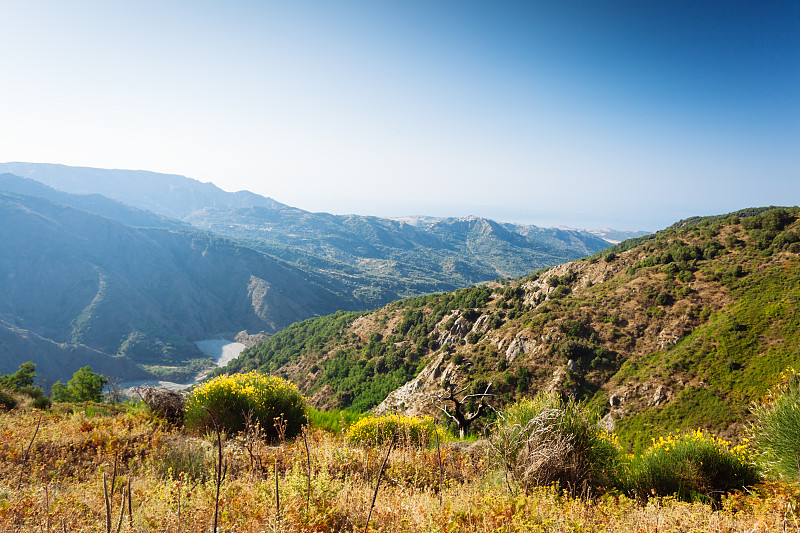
[414, 397]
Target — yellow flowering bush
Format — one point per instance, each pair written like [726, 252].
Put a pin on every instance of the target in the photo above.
[693, 466]
[372, 430]
[236, 398]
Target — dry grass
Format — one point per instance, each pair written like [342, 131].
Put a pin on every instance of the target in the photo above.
[62, 488]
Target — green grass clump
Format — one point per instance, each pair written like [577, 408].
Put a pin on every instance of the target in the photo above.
[335, 422]
[695, 466]
[257, 398]
[776, 432]
[414, 431]
[542, 440]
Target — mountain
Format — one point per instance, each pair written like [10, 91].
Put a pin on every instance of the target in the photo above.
[680, 329]
[168, 195]
[93, 203]
[74, 280]
[381, 260]
[369, 259]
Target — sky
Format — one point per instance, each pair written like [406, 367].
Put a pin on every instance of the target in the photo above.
[623, 114]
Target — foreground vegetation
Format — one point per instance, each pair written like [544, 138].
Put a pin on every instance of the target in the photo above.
[95, 467]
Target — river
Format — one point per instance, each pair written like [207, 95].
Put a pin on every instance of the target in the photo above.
[223, 351]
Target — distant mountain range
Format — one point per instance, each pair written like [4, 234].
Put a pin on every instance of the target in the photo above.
[369, 259]
[125, 264]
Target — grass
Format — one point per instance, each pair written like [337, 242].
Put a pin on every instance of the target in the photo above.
[332, 421]
[777, 431]
[62, 487]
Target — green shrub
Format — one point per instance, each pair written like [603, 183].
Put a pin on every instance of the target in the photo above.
[413, 431]
[695, 466]
[7, 400]
[17, 388]
[542, 440]
[235, 400]
[23, 377]
[776, 432]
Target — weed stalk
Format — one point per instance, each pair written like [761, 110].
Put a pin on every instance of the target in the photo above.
[219, 474]
[378, 483]
[28, 451]
[308, 471]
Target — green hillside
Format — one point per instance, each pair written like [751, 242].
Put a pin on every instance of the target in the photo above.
[680, 329]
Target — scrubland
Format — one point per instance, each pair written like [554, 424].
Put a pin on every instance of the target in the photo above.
[118, 468]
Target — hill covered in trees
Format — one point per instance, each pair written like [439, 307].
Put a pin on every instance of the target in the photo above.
[683, 328]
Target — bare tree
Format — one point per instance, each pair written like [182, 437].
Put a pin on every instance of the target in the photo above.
[459, 415]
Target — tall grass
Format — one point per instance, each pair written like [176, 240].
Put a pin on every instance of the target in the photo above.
[545, 440]
[333, 421]
[776, 432]
[62, 489]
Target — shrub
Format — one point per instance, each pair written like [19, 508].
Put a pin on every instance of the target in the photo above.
[164, 403]
[23, 377]
[694, 466]
[776, 432]
[544, 439]
[235, 399]
[7, 400]
[18, 390]
[372, 430]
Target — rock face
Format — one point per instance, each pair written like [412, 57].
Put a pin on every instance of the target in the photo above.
[414, 397]
[519, 346]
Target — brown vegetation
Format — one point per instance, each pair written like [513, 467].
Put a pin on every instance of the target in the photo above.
[62, 486]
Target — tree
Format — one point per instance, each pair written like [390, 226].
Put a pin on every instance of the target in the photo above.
[21, 378]
[459, 415]
[85, 386]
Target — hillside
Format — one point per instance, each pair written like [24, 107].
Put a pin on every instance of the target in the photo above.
[79, 281]
[683, 328]
[369, 259]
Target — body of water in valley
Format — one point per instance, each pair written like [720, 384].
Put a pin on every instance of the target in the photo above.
[222, 350]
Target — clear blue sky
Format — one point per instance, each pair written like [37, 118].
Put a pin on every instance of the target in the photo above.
[629, 114]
